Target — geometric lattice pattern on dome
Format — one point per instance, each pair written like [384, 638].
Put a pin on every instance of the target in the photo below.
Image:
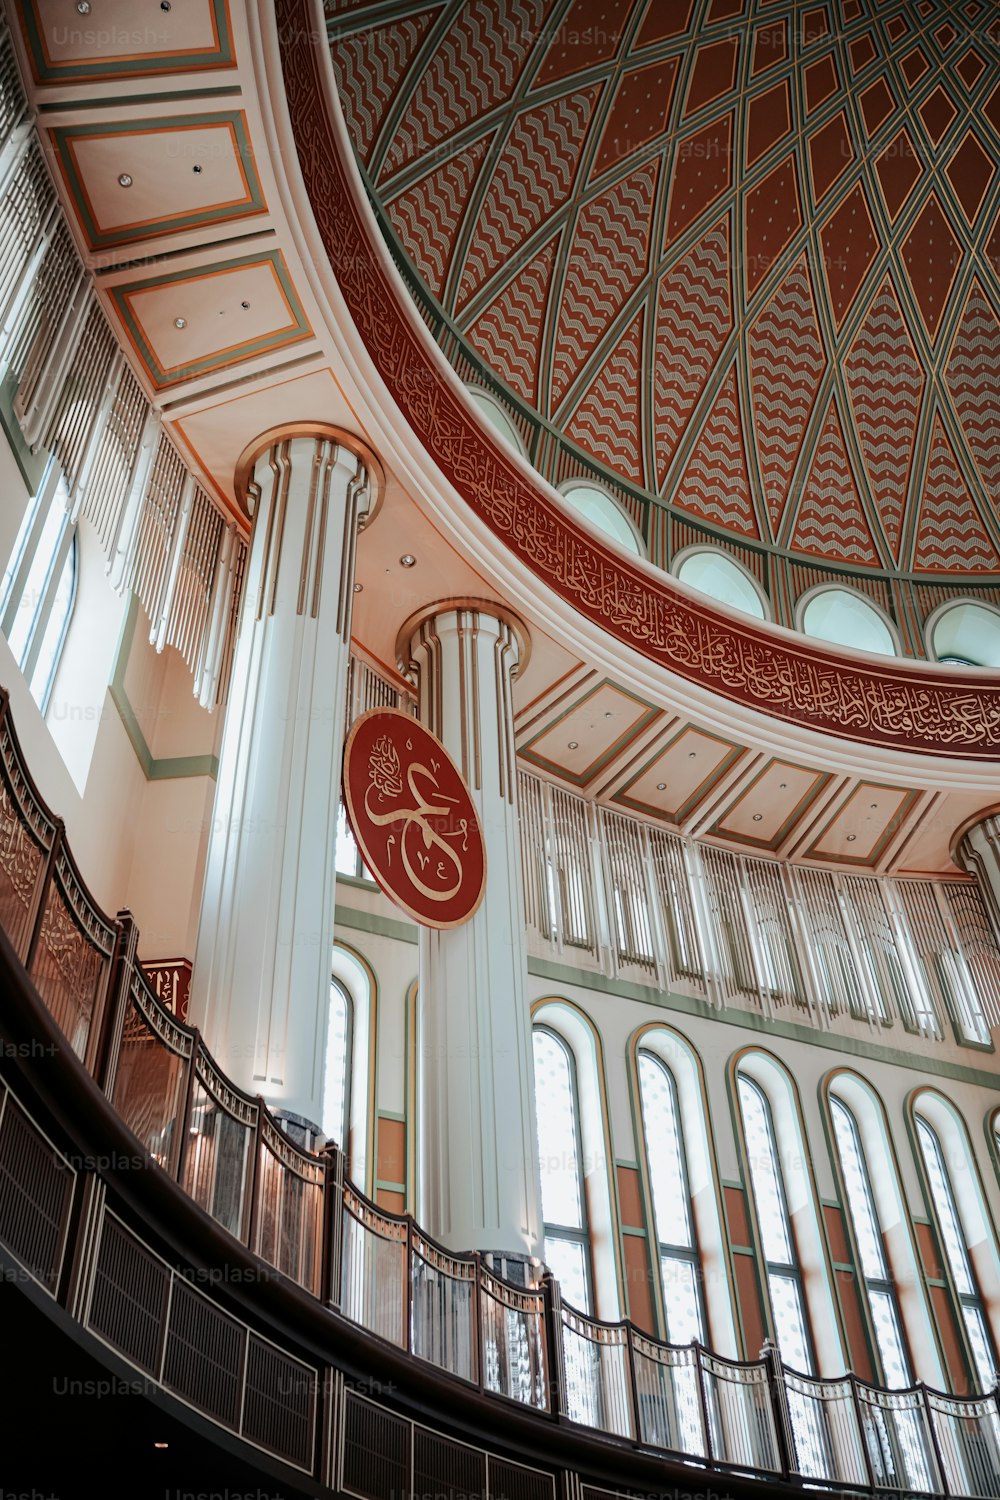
[744, 259]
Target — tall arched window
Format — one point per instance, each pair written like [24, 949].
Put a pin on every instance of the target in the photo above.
[951, 1232]
[875, 1270]
[560, 1166]
[680, 1270]
[784, 1276]
[337, 1079]
[39, 587]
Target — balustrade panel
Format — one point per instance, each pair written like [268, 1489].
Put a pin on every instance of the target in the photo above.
[72, 956]
[740, 1413]
[150, 1079]
[373, 1269]
[218, 1162]
[670, 1413]
[514, 1351]
[597, 1377]
[289, 1208]
[443, 1308]
[967, 1433]
[26, 835]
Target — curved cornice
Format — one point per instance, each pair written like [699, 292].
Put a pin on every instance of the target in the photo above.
[890, 704]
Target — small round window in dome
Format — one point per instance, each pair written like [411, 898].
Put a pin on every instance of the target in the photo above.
[967, 635]
[713, 573]
[846, 619]
[497, 417]
[604, 513]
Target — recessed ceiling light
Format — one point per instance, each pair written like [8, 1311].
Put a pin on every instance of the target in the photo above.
[661, 786]
[125, 179]
[359, 588]
[180, 322]
[161, 1445]
[609, 714]
[692, 754]
[782, 785]
[757, 817]
[197, 169]
[574, 745]
[83, 6]
[851, 837]
[407, 560]
[164, 4]
[245, 306]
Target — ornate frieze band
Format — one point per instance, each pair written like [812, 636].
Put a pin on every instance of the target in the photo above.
[893, 704]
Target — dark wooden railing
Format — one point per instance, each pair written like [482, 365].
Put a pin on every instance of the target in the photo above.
[295, 1211]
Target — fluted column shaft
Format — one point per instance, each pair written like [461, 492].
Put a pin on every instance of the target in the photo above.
[478, 1178]
[261, 981]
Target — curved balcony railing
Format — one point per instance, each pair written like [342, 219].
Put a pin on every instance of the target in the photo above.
[516, 1344]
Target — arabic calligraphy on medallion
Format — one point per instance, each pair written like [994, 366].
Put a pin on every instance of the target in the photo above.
[413, 818]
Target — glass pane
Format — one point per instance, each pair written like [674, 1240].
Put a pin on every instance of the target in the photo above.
[979, 1341]
[55, 629]
[944, 1204]
[789, 1321]
[889, 1338]
[335, 1085]
[346, 858]
[859, 1197]
[558, 1160]
[764, 1176]
[567, 1260]
[681, 1301]
[671, 1202]
[34, 586]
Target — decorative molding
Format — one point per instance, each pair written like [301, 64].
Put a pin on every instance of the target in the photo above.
[219, 53]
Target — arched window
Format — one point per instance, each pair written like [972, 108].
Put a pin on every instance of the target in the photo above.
[711, 572]
[680, 1270]
[39, 587]
[965, 634]
[784, 1277]
[497, 416]
[337, 1074]
[560, 1166]
[875, 1270]
[846, 619]
[604, 513]
[952, 1235]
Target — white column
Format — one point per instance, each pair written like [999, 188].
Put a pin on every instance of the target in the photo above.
[979, 851]
[478, 1185]
[261, 981]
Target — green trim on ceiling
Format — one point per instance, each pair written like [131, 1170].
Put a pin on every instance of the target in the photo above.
[140, 65]
[64, 137]
[236, 354]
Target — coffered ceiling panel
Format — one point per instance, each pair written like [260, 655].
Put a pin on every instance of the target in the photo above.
[680, 775]
[767, 810]
[864, 825]
[184, 172]
[123, 39]
[189, 323]
[589, 733]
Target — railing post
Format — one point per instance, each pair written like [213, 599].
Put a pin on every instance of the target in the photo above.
[862, 1439]
[779, 1407]
[185, 1143]
[112, 1018]
[41, 893]
[706, 1425]
[633, 1383]
[258, 1141]
[553, 1339]
[333, 1224]
[408, 1289]
[478, 1309]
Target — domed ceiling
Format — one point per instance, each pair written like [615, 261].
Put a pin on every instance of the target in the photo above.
[738, 259]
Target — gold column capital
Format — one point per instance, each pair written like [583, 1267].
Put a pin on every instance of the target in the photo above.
[322, 432]
[464, 603]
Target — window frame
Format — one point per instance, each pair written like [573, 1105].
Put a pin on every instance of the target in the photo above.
[65, 552]
[689, 1254]
[568, 1233]
[336, 983]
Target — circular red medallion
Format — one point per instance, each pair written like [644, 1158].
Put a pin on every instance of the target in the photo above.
[413, 818]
